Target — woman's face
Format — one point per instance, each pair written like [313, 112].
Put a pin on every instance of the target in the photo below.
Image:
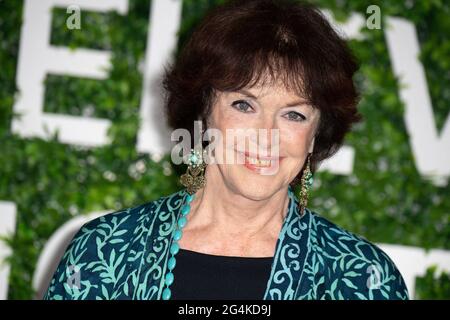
[264, 163]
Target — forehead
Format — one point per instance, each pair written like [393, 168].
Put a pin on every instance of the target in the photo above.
[275, 93]
[270, 91]
[273, 86]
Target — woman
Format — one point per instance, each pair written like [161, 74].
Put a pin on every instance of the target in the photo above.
[236, 231]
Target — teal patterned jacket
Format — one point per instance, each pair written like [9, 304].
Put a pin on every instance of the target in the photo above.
[123, 255]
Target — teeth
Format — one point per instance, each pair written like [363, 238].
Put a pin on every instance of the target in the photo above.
[258, 162]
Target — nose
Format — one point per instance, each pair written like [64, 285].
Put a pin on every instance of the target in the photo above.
[268, 136]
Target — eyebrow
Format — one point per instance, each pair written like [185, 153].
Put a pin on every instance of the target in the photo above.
[291, 104]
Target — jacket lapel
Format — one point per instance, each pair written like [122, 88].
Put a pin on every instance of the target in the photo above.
[290, 254]
[162, 222]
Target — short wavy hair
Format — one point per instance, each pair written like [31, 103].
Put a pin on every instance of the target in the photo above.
[241, 41]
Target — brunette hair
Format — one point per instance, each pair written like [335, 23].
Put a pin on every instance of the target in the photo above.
[242, 40]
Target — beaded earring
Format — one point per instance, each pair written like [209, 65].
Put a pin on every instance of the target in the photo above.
[194, 178]
[305, 184]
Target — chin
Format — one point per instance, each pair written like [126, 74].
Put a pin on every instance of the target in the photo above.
[255, 186]
[256, 192]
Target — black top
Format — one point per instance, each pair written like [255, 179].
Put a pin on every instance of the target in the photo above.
[210, 277]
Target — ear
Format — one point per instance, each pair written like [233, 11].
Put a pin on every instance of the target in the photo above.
[311, 145]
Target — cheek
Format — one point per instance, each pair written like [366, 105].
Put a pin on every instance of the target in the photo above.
[225, 117]
[295, 141]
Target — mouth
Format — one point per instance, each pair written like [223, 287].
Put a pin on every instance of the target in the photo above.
[259, 162]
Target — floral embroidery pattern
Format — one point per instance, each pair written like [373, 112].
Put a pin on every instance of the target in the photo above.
[123, 255]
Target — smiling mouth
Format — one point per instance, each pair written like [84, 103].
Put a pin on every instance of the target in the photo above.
[259, 162]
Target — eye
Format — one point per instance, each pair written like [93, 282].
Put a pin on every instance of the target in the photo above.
[295, 116]
[241, 105]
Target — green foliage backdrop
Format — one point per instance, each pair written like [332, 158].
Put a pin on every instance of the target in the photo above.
[385, 199]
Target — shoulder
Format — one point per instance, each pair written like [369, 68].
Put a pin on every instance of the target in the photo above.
[126, 225]
[94, 264]
[332, 239]
[355, 267]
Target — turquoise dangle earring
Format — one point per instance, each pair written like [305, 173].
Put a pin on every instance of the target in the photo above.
[305, 184]
[193, 180]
